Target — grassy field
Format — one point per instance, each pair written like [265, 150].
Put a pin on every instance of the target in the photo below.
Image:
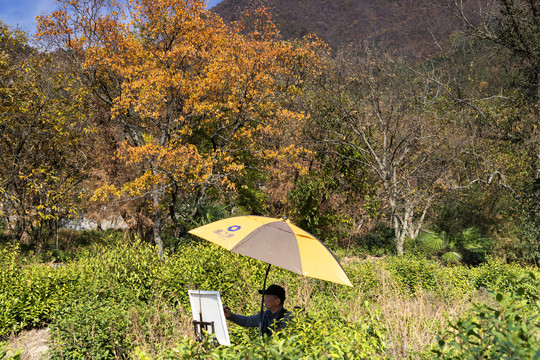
[118, 300]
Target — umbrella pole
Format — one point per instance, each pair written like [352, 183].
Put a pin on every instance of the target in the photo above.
[262, 300]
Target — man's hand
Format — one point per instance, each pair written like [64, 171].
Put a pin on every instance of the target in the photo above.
[227, 311]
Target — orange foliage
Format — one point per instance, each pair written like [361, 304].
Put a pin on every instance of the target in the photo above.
[196, 98]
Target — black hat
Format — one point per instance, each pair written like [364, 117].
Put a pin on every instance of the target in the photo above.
[275, 290]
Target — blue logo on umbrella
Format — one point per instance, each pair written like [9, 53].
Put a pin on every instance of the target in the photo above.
[234, 228]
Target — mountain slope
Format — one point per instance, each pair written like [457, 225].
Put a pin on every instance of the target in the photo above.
[409, 26]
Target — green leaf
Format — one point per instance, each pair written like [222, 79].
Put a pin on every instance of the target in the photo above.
[451, 257]
[432, 241]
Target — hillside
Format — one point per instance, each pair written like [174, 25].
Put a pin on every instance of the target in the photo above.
[408, 26]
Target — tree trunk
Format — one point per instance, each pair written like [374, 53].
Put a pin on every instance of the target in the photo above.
[157, 222]
[399, 235]
[406, 226]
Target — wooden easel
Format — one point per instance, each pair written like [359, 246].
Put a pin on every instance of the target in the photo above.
[211, 326]
[201, 327]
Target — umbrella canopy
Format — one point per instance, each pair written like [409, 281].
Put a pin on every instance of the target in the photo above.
[276, 242]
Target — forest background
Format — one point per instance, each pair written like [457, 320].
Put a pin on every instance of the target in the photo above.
[165, 116]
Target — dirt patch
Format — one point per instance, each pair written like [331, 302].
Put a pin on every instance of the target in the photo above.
[32, 344]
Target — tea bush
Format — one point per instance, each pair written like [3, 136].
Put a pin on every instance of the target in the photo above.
[508, 330]
[122, 270]
[498, 276]
[315, 336]
[118, 295]
[118, 277]
[208, 267]
[92, 328]
[30, 295]
[412, 274]
[363, 274]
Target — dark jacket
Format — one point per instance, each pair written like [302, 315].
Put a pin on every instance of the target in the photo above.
[271, 322]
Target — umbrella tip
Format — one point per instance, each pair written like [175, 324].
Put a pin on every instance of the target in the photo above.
[285, 218]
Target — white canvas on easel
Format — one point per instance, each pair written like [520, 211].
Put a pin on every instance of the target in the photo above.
[208, 303]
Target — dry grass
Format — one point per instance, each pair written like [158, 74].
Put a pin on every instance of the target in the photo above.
[160, 325]
[413, 322]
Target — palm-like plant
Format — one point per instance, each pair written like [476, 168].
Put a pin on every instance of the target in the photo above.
[191, 214]
[452, 248]
[209, 212]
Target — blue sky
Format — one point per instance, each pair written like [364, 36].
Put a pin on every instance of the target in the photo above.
[24, 12]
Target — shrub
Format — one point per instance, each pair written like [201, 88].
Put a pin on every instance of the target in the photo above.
[413, 274]
[92, 328]
[316, 336]
[208, 267]
[508, 330]
[455, 281]
[125, 271]
[29, 296]
[496, 275]
[379, 242]
[119, 295]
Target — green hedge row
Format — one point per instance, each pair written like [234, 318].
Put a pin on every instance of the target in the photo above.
[310, 337]
[94, 303]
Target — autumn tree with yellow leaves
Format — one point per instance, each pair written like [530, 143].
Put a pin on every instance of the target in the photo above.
[195, 100]
[43, 160]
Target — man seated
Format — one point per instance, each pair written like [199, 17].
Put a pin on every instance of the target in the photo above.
[276, 317]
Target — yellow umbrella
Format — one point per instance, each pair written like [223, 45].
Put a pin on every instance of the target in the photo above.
[276, 242]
